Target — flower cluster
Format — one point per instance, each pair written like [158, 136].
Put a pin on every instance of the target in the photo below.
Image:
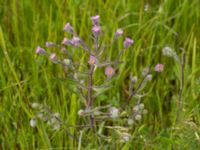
[43, 113]
[137, 112]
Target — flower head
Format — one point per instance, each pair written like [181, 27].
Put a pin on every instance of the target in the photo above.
[167, 51]
[68, 27]
[63, 50]
[92, 60]
[135, 109]
[141, 106]
[96, 30]
[126, 137]
[149, 77]
[138, 117]
[118, 33]
[128, 42]
[146, 7]
[159, 68]
[134, 79]
[95, 20]
[109, 71]
[40, 50]
[67, 62]
[130, 121]
[33, 122]
[49, 44]
[35, 105]
[114, 112]
[66, 41]
[53, 57]
[76, 41]
[145, 71]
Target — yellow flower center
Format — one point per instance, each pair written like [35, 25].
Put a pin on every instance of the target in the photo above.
[110, 71]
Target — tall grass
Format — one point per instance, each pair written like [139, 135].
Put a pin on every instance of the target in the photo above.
[25, 78]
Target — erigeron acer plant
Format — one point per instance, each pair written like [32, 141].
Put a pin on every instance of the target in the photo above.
[88, 90]
[168, 51]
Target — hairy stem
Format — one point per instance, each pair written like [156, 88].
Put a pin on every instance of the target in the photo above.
[90, 84]
[182, 66]
[139, 86]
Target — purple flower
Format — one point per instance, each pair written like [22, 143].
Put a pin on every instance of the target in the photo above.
[53, 57]
[49, 44]
[159, 68]
[118, 33]
[68, 27]
[40, 50]
[109, 71]
[76, 41]
[92, 60]
[128, 42]
[66, 41]
[63, 50]
[95, 20]
[96, 30]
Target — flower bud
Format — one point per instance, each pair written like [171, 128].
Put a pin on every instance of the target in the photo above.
[96, 30]
[64, 50]
[33, 122]
[76, 41]
[118, 33]
[159, 68]
[126, 137]
[67, 62]
[40, 50]
[141, 106]
[134, 79]
[130, 121]
[138, 117]
[149, 77]
[49, 44]
[68, 27]
[35, 105]
[135, 109]
[145, 71]
[53, 57]
[95, 20]
[168, 51]
[114, 112]
[66, 41]
[81, 112]
[128, 42]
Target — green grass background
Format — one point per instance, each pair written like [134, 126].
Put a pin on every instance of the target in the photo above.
[26, 78]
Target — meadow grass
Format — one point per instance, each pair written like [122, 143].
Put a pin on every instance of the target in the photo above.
[27, 78]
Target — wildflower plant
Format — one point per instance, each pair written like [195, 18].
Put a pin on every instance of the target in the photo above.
[168, 51]
[89, 92]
